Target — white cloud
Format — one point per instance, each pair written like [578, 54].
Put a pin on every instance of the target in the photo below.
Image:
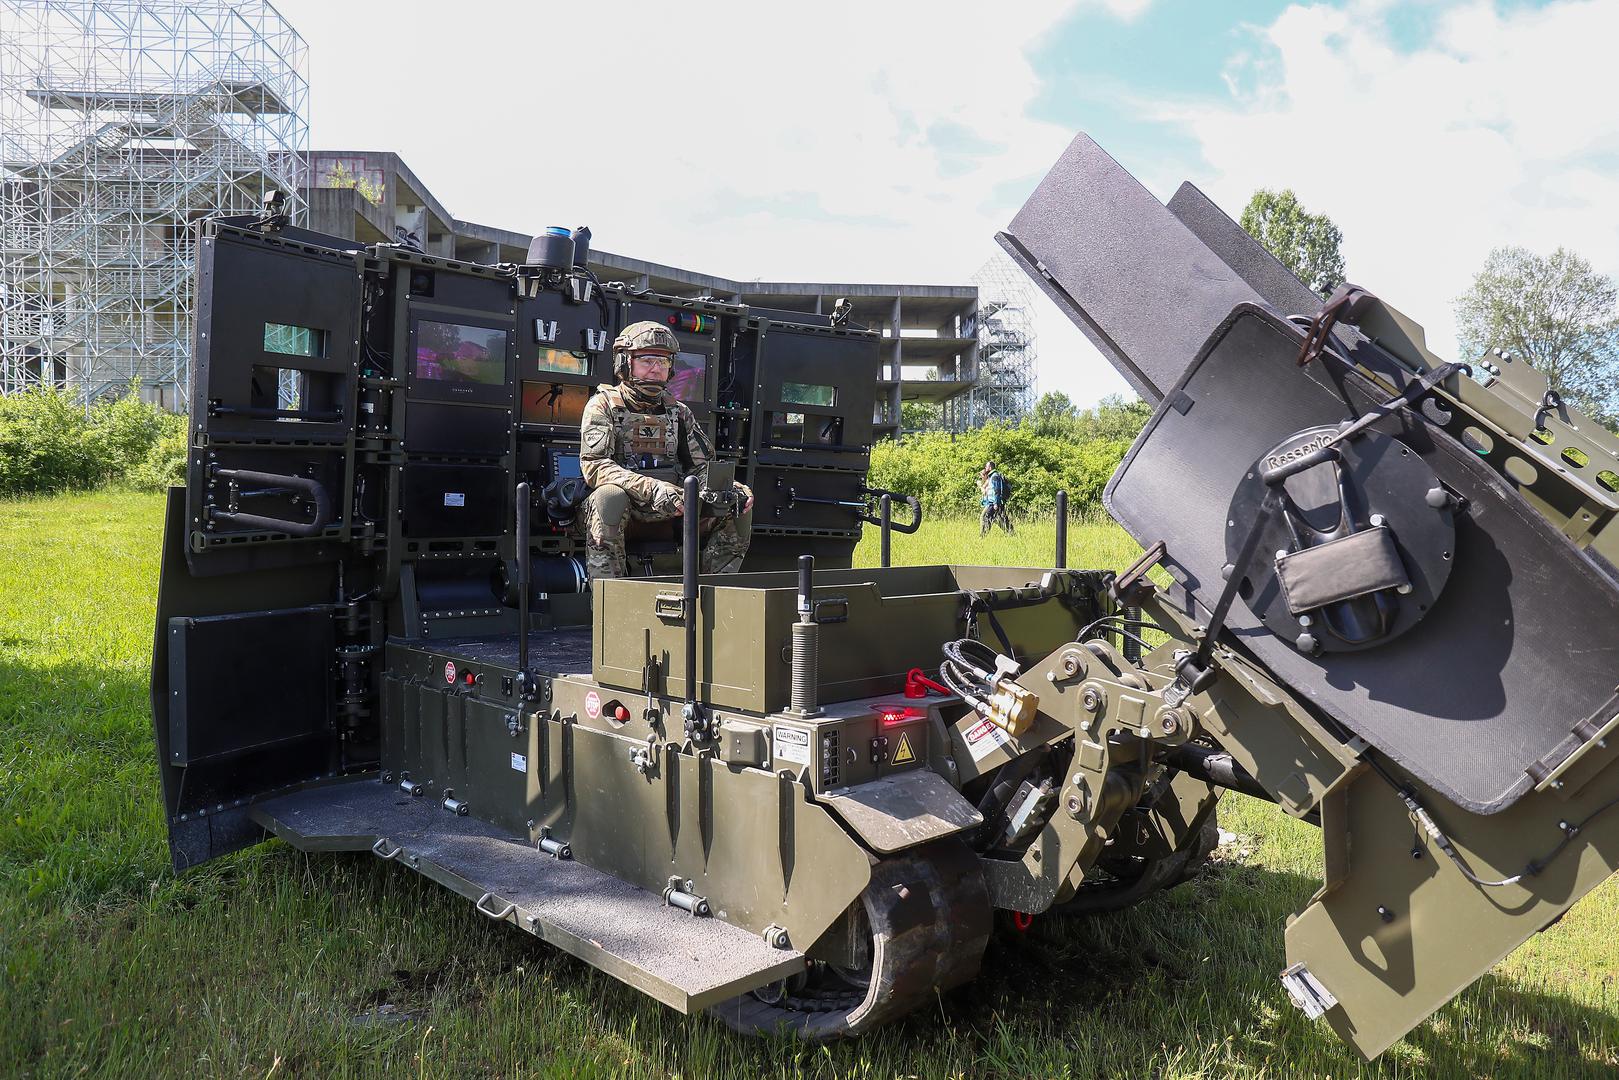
[1501, 129]
[841, 140]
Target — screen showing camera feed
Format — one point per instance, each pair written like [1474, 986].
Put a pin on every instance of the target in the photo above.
[686, 378]
[557, 404]
[563, 361]
[799, 393]
[452, 352]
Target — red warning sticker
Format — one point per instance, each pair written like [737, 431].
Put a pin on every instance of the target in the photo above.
[593, 705]
[983, 737]
[449, 671]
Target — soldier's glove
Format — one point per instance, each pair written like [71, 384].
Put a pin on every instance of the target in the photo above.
[727, 503]
[668, 498]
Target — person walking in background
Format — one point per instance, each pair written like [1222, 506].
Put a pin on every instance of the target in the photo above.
[994, 489]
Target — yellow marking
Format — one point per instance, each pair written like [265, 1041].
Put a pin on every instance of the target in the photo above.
[903, 754]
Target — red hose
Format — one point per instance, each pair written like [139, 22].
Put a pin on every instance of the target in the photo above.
[915, 682]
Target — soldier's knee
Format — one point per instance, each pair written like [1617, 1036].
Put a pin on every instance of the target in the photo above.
[606, 507]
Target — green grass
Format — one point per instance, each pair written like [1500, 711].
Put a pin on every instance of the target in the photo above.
[269, 962]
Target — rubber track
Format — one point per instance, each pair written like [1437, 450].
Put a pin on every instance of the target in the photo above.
[930, 921]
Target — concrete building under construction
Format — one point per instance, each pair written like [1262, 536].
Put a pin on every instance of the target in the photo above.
[122, 122]
[932, 331]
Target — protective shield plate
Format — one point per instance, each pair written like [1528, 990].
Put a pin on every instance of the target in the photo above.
[1483, 697]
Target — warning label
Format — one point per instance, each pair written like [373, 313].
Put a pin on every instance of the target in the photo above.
[792, 744]
[903, 754]
[449, 671]
[520, 763]
[984, 737]
[593, 705]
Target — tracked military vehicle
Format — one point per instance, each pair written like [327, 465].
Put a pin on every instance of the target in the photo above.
[1378, 589]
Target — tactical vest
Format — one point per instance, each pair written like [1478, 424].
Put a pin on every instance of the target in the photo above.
[648, 443]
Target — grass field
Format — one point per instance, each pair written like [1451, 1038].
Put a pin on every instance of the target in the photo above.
[272, 963]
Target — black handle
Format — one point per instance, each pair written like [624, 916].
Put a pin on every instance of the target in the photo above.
[259, 413]
[525, 585]
[911, 501]
[689, 554]
[1061, 562]
[305, 484]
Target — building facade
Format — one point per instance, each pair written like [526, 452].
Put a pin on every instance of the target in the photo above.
[931, 335]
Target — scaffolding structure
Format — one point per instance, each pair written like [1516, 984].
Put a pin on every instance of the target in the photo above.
[1006, 345]
[123, 122]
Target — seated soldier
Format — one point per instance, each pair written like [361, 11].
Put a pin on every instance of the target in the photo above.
[637, 443]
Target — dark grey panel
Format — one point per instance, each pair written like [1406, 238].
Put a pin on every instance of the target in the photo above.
[248, 681]
[1138, 282]
[1275, 283]
[629, 933]
[1521, 647]
[551, 652]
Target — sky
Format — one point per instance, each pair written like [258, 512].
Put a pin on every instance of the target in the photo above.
[888, 141]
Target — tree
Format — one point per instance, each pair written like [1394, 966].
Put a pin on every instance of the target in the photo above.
[1305, 243]
[1053, 414]
[1557, 313]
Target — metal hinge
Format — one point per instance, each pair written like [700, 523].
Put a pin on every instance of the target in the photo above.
[1307, 993]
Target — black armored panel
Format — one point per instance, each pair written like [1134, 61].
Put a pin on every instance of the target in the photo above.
[1345, 515]
[362, 418]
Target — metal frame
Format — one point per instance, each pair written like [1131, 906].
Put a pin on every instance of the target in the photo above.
[122, 122]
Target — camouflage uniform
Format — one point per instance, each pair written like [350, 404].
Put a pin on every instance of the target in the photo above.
[634, 463]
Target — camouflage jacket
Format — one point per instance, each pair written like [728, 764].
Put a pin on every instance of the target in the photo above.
[640, 452]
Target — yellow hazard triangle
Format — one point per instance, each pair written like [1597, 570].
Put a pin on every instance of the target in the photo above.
[903, 754]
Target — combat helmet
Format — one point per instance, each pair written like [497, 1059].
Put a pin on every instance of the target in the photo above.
[638, 336]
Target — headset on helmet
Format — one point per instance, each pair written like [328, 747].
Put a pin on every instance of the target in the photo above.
[639, 336]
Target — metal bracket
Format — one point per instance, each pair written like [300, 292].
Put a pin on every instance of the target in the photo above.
[503, 913]
[380, 849]
[1307, 993]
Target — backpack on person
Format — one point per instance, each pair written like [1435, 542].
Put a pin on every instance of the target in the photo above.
[1003, 488]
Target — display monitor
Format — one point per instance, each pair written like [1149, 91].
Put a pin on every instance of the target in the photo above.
[458, 353]
[686, 379]
[569, 363]
[564, 466]
[555, 404]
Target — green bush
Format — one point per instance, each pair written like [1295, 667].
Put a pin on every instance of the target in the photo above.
[1055, 448]
[50, 442]
[164, 463]
[122, 431]
[45, 443]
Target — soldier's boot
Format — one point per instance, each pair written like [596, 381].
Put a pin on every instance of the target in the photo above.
[727, 545]
[605, 510]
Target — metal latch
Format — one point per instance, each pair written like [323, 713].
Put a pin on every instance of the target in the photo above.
[670, 606]
[1307, 993]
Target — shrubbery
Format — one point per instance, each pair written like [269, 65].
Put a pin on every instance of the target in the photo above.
[1054, 448]
[50, 442]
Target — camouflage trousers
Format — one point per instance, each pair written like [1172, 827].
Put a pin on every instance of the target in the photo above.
[609, 508]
